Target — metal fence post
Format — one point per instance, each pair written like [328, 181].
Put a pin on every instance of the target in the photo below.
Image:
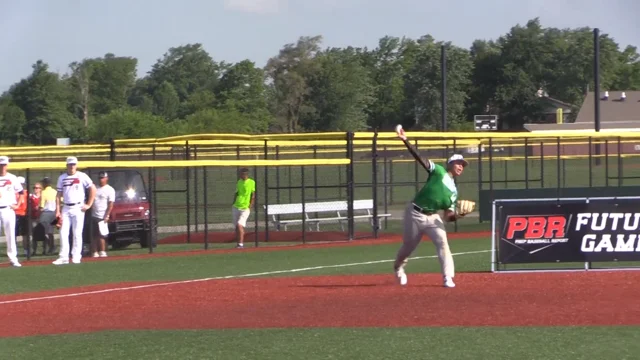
[558, 166]
[154, 205]
[152, 215]
[455, 150]
[374, 182]
[256, 218]
[620, 161]
[315, 174]
[28, 216]
[350, 192]
[606, 163]
[526, 163]
[304, 211]
[541, 164]
[266, 194]
[196, 207]
[590, 162]
[491, 167]
[112, 150]
[386, 186]
[480, 172]
[415, 168]
[205, 190]
[188, 176]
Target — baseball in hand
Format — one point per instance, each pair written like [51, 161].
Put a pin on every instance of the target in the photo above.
[400, 132]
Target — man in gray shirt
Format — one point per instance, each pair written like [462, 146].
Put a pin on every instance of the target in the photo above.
[102, 206]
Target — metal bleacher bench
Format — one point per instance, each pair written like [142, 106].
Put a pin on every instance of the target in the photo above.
[362, 209]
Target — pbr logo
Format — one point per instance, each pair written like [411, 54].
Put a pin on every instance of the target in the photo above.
[536, 229]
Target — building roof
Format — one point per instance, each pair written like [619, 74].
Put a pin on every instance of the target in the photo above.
[586, 126]
[559, 103]
[611, 110]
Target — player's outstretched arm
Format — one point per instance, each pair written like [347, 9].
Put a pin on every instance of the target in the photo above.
[411, 149]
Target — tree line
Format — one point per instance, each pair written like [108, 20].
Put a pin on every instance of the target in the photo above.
[307, 88]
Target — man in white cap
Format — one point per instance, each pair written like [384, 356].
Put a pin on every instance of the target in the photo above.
[421, 215]
[71, 208]
[105, 197]
[10, 191]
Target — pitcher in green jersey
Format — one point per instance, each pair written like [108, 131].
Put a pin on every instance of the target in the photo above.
[421, 215]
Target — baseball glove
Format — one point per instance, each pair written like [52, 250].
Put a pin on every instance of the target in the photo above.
[464, 207]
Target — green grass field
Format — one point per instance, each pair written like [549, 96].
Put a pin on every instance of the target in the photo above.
[472, 255]
[318, 343]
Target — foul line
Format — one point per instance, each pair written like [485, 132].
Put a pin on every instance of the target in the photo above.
[179, 282]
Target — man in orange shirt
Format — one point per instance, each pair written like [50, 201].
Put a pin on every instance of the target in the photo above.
[21, 215]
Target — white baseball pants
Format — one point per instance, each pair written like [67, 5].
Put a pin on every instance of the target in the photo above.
[8, 219]
[72, 219]
[417, 225]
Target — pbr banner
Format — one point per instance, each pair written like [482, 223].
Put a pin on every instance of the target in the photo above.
[572, 232]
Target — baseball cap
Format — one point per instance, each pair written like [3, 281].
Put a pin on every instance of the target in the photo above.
[103, 174]
[72, 160]
[458, 157]
[4, 160]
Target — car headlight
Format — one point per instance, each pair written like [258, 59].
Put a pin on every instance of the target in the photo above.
[130, 193]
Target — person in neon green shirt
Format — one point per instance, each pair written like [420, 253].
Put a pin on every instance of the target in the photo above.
[243, 200]
[421, 215]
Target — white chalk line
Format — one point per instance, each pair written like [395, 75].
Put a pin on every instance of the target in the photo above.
[266, 273]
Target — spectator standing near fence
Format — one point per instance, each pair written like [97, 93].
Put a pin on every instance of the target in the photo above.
[105, 196]
[21, 214]
[71, 208]
[32, 218]
[242, 204]
[47, 208]
[10, 189]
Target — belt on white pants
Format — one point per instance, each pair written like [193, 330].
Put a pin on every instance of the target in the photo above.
[421, 210]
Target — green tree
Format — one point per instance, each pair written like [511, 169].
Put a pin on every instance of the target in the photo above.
[12, 121]
[165, 101]
[423, 83]
[44, 99]
[101, 85]
[289, 73]
[127, 124]
[387, 65]
[341, 90]
[216, 121]
[188, 68]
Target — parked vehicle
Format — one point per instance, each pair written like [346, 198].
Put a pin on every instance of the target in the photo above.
[129, 221]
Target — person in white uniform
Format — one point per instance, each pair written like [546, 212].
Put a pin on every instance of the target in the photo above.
[101, 211]
[71, 208]
[10, 189]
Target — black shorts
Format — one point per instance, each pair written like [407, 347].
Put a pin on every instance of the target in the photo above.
[95, 229]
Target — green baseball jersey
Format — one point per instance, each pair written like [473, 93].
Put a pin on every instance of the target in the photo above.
[439, 192]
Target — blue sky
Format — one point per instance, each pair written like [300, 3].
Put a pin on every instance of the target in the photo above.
[62, 31]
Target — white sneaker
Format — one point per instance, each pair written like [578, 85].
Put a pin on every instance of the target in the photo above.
[103, 254]
[95, 254]
[60, 261]
[401, 276]
[448, 282]
[16, 264]
[75, 261]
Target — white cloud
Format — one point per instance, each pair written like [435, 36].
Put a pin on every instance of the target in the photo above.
[255, 6]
